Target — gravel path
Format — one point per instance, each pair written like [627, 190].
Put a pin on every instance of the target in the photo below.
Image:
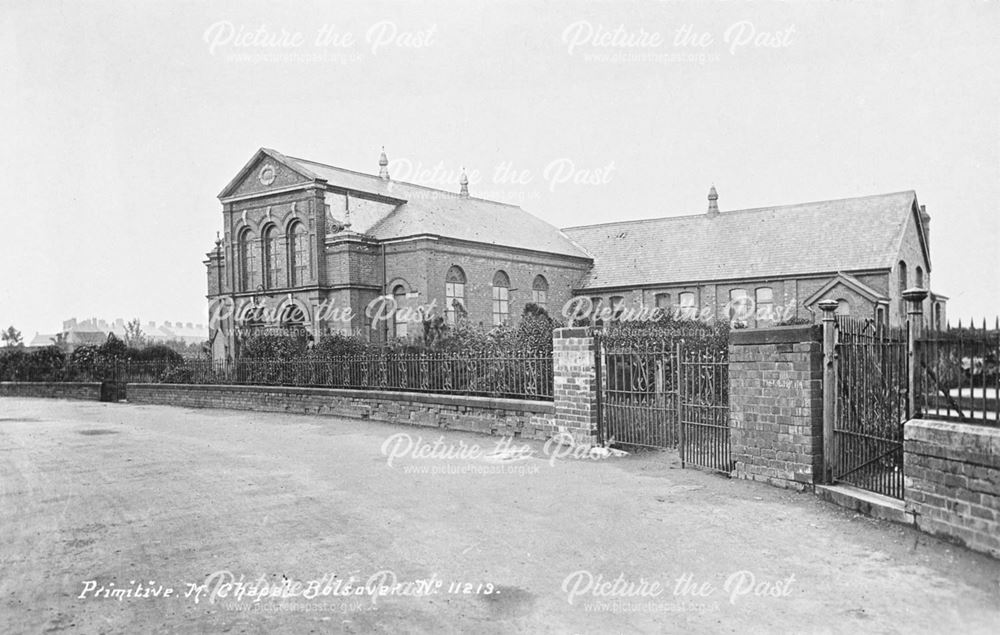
[100, 497]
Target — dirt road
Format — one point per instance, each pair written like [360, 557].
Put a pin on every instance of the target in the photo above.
[123, 519]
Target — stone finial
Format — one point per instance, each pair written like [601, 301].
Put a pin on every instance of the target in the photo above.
[383, 166]
[464, 185]
[713, 198]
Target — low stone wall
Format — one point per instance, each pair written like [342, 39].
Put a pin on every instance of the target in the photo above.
[87, 390]
[952, 485]
[507, 417]
[776, 405]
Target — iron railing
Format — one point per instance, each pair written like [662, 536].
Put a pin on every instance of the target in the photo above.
[508, 375]
[958, 375]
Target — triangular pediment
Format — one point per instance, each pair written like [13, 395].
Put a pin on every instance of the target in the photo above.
[267, 170]
[846, 281]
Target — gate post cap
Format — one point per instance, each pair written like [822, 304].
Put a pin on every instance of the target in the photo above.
[915, 294]
[828, 306]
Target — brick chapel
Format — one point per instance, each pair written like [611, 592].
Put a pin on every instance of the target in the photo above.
[319, 249]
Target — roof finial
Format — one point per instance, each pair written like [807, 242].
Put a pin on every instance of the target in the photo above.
[713, 205]
[383, 166]
[464, 183]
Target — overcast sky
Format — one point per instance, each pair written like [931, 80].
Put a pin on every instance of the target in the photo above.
[122, 121]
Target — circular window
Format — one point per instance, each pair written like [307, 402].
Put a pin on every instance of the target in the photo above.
[267, 175]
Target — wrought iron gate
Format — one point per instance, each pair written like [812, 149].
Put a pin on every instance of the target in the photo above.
[871, 405]
[704, 407]
[666, 392]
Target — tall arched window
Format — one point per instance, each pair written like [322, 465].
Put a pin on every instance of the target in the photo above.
[920, 277]
[298, 260]
[399, 297]
[247, 264]
[902, 287]
[540, 292]
[454, 294]
[501, 298]
[272, 259]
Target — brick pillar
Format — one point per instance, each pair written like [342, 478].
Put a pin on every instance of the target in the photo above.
[776, 405]
[575, 383]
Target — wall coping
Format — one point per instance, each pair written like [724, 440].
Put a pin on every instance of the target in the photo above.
[573, 331]
[795, 334]
[469, 401]
[915, 429]
[76, 384]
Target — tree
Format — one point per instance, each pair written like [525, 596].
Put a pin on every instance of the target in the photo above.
[134, 337]
[12, 337]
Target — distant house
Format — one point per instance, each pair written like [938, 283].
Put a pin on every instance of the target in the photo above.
[303, 241]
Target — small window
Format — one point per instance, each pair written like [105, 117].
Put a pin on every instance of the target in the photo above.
[662, 301]
[454, 294]
[617, 306]
[688, 308]
[920, 277]
[501, 298]
[399, 299]
[595, 306]
[764, 299]
[879, 315]
[938, 316]
[540, 292]
[843, 307]
[738, 304]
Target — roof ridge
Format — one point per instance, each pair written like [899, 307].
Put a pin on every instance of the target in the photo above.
[407, 183]
[741, 211]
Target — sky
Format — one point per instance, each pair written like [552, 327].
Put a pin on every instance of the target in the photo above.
[122, 121]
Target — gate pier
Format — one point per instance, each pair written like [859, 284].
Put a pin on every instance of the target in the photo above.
[776, 405]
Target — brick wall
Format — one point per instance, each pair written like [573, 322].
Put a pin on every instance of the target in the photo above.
[776, 405]
[952, 486]
[90, 391]
[574, 361]
[507, 417]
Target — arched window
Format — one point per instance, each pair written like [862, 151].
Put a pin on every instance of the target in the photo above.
[298, 260]
[920, 277]
[843, 307]
[247, 262]
[938, 316]
[540, 291]
[501, 298]
[902, 287]
[272, 259]
[454, 294]
[399, 297]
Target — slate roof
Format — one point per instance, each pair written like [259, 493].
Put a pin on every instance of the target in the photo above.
[850, 234]
[423, 210]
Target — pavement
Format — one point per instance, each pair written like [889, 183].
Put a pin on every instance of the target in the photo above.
[118, 518]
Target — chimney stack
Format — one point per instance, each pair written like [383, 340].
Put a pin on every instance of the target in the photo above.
[713, 205]
[464, 185]
[383, 166]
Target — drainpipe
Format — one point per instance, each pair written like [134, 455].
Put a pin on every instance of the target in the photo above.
[385, 292]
